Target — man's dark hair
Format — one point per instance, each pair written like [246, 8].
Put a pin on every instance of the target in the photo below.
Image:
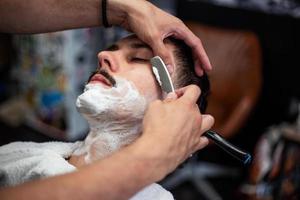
[186, 75]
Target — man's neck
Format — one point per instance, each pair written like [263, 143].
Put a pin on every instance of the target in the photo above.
[105, 138]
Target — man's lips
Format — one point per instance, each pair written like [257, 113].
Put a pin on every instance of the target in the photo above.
[99, 78]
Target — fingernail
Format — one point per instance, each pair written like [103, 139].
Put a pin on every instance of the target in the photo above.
[208, 117]
[199, 71]
[171, 95]
[209, 65]
[170, 68]
[197, 63]
[206, 66]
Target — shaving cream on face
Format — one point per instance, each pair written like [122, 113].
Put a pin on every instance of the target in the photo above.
[115, 117]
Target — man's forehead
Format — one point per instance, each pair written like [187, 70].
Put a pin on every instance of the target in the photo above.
[132, 38]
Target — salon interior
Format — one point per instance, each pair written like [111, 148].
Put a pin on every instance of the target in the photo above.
[254, 48]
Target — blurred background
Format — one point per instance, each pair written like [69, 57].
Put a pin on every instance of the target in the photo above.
[254, 47]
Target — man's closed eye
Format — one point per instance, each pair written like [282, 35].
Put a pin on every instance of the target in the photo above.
[138, 59]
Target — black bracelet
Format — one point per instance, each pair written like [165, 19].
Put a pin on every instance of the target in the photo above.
[104, 14]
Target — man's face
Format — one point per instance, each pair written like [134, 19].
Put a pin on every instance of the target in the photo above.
[129, 59]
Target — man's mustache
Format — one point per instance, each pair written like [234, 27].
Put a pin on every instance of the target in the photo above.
[106, 75]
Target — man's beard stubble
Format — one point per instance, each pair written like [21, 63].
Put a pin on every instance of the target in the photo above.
[104, 73]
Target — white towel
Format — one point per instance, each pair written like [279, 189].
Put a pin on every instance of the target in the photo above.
[24, 161]
[153, 192]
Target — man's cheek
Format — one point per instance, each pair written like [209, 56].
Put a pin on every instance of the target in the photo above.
[151, 91]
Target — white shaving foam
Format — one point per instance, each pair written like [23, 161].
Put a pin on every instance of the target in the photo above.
[115, 117]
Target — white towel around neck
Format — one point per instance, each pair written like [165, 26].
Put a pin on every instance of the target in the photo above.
[24, 161]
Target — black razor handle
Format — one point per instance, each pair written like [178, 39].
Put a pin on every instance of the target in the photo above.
[234, 151]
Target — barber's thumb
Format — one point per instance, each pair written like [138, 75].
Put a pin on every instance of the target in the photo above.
[171, 96]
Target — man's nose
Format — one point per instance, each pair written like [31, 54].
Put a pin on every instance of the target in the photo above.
[108, 61]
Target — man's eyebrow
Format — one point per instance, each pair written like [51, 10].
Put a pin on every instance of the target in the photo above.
[138, 45]
[113, 47]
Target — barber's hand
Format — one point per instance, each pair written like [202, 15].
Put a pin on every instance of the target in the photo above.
[173, 128]
[153, 25]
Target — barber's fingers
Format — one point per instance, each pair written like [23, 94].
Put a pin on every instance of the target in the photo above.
[170, 97]
[202, 142]
[207, 122]
[160, 49]
[201, 59]
[189, 94]
[198, 143]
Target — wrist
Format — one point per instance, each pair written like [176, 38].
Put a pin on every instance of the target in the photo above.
[122, 12]
[116, 12]
[151, 157]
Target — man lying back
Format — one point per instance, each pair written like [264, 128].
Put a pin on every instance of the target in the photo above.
[113, 102]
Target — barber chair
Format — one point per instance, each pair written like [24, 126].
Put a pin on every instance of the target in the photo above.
[236, 76]
[236, 80]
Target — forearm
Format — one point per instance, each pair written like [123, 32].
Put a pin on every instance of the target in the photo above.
[114, 178]
[36, 16]
[121, 175]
